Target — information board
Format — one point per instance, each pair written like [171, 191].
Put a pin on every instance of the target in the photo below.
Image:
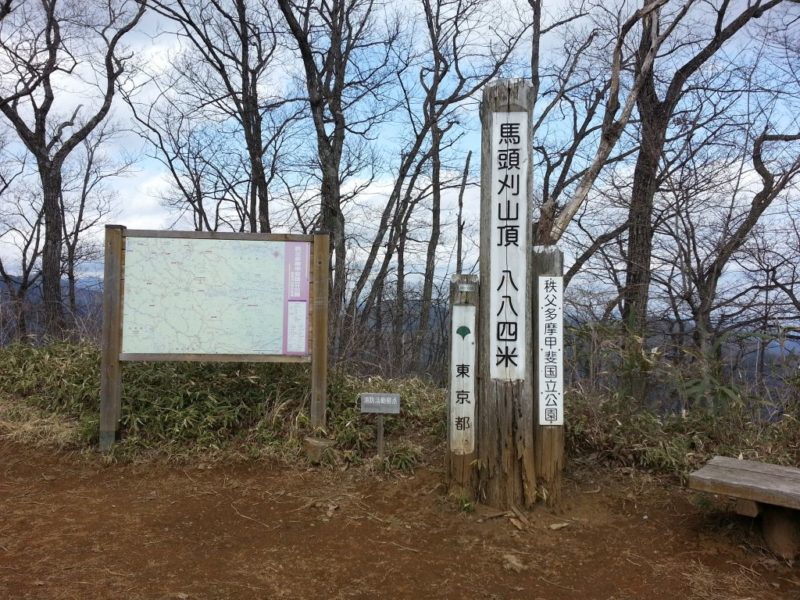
[215, 296]
[212, 296]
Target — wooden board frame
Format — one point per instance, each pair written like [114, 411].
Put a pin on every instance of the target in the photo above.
[113, 298]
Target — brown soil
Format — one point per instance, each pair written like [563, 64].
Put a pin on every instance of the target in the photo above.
[73, 527]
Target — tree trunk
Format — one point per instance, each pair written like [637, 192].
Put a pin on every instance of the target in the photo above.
[433, 242]
[50, 176]
[460, 223]
[707, 355]
[20, 311]
[332, 222]
[636, 292]
[400, 308]
[71, 280]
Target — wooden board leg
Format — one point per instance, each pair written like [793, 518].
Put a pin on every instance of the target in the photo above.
[110, 370]
[319, 328]
[781, 529]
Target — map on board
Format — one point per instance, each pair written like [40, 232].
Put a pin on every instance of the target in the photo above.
[215, 296]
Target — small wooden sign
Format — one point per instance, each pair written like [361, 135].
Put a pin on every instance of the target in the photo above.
[380, 403]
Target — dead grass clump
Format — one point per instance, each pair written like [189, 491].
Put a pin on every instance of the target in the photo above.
[617, 431]
[22, 423]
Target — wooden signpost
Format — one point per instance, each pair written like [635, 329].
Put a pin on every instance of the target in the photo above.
[462, 397]
[504, 442]
[207, 296]
[505, 422]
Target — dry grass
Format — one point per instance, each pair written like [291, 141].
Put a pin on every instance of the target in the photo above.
[222, 411]
[707, 584]
[228, 411]
[23, 423]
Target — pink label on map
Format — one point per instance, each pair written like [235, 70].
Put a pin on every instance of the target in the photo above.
[297, 256]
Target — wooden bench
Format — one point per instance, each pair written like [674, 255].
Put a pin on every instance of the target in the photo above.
[769, 490]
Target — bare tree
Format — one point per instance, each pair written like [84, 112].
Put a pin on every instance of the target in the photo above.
[598, 103]
[693, 50]
[465, 44]
[46, 44]
[347, 57]
[209, 179]
[85, 202]
[21, 225]
[231, 72]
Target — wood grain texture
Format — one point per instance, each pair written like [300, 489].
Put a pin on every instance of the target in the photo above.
[460, 467]
[320, 282]
[549, 439]
[111, 341]
[217, 235]
[747, 508]
[254, 358]
[791, 473]
[504, 438]
[749, 480]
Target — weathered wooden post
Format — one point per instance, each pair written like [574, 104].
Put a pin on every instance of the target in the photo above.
[462, 396]
[319, 316]
[505, 447]
[111, 341]
[548, 290]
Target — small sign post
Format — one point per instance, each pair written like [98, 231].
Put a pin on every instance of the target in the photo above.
[380, 404]
[463, 398]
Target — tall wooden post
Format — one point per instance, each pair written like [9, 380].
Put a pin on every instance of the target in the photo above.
[111, 343]
[462, 397]
[320, 274]
[548, 265]
[505, 447]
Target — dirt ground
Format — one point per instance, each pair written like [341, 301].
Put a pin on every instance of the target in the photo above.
[72, 527]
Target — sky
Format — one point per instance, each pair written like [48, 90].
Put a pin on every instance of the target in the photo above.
[139, 205]
[138, 193]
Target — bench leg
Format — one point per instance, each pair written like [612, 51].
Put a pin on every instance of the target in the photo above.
[781, 529]
[747, 508]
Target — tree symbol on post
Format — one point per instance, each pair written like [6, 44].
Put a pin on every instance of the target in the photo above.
[463, 331]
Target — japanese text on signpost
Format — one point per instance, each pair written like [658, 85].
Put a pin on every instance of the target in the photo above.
[509, 226]
[550, 320]
[462, 380]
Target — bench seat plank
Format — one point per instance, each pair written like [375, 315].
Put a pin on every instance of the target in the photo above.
[759, 467]
[750, 480]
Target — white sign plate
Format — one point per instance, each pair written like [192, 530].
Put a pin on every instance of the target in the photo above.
[462, 379]
[550, 320]
[387, 404]
[509, 245]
